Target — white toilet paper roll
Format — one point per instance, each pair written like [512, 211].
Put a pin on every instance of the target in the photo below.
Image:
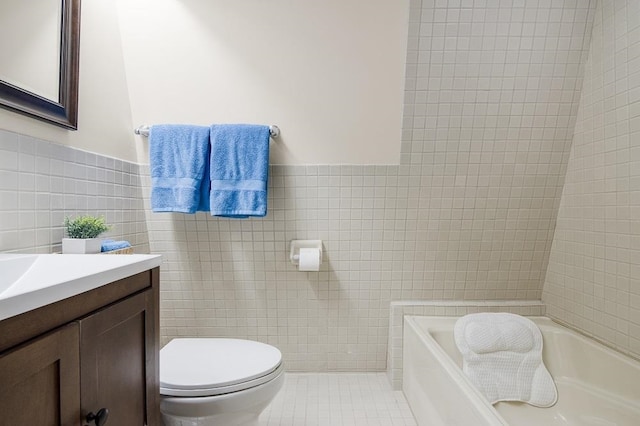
[309, 259]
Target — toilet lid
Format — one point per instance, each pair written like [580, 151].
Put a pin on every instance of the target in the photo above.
[211, 366]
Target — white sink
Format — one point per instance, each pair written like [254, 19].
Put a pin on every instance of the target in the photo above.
[29, 281]
[12, 268]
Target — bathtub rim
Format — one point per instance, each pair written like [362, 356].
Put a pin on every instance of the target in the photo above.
[448, 308]
[543, 323]
[479, 402]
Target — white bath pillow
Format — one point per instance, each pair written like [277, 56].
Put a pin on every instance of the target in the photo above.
[502, 355]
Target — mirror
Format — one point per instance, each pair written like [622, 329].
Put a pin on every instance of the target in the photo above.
[39, 53]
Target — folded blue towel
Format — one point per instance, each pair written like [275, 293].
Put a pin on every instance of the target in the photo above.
[110, 245]
[179, 161]
[239, 170]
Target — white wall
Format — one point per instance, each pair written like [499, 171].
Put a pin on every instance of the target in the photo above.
[104, 121]
[329, 74]
[593, 279]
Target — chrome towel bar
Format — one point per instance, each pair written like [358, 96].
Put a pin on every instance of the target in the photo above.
[274, 131]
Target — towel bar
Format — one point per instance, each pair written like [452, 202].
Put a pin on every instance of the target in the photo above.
[274, 131]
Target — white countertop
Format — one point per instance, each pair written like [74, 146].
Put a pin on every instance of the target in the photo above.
[30, 281]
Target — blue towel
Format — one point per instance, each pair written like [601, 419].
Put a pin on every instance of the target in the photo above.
[179, 160]
[110, 245]
[239, 170]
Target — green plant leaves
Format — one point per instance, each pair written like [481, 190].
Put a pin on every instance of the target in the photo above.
[85, 226]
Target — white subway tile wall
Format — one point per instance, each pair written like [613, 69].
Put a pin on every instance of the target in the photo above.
[492, 93]
[233, 278]
[491, 98]
[593, 281]
[41, 183]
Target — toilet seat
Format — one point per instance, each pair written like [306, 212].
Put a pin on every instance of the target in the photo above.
[215, 366]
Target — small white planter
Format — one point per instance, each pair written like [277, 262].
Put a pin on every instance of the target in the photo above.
[81, 245]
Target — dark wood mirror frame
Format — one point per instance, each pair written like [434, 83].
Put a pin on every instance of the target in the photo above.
[64, 112]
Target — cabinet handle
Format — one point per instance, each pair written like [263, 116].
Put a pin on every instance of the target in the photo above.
[100, 418]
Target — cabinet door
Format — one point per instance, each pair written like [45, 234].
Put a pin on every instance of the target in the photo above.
[40, 381]
[115, 344]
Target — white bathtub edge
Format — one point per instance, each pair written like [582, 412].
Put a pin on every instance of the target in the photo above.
[400, 308]
[477, 400]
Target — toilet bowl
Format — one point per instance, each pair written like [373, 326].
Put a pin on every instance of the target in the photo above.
[214, 381]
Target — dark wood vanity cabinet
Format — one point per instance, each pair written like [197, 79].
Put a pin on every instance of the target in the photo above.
[68, 360]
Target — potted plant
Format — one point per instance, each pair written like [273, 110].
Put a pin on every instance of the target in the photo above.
[83, 232]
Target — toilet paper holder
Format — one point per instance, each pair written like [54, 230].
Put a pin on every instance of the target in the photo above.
[296, 245]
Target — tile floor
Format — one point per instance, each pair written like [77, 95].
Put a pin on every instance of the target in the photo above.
[337, 399]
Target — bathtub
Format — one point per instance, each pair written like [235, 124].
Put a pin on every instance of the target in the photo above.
[596, 385]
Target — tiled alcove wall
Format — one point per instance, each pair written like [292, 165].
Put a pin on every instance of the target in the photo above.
[41, 183]
[593, 281]
[492, 93]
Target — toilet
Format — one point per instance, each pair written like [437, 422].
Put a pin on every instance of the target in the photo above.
[215, 381]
